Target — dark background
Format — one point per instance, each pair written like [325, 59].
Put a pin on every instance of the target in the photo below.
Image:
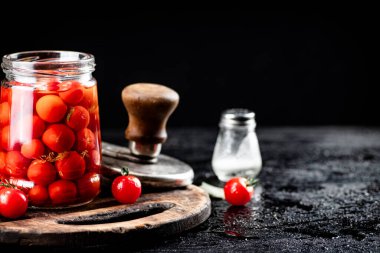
[290, 68]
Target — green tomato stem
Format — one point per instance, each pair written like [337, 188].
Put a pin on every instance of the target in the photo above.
[252, 181]
[125, 171]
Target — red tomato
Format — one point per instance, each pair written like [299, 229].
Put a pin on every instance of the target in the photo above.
[74, 94]
[39, 94]
[51, 108]
[38, 195]
[89, 186]
[6, 94]
[58, 138]
[17, 164]
[126, 188]
[4, 113]
[93, 161]
[78, 118]
[52, 85]
[5, 143]
[41, 172]
[3, 161]
[62, 192]
[85, 140]
[38, 127]
[48, 85]
[89, 98]
[33, 149]
[94, 120]
[13, 203]
[71, 167]
[238, 191]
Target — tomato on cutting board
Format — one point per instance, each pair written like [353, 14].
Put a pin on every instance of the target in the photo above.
[13, 203]
[126, 188]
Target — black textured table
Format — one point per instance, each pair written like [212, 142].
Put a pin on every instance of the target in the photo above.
[320, 193]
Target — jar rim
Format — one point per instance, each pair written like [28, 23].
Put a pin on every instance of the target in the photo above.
[47, 64]
[36, 54]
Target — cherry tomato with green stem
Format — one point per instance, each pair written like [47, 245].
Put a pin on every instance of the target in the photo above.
[238, 191]
[126, 188]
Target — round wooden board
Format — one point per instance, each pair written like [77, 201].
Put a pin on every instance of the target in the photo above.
[104, 221]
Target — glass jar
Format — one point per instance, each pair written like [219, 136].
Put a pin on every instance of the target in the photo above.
[50, 144]
[236, 151]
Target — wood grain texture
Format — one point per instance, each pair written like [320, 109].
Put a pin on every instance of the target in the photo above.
[105, 221]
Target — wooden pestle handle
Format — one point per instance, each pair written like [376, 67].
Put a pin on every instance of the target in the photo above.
[149, 107]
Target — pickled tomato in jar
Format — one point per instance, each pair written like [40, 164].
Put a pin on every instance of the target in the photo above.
[50, 143]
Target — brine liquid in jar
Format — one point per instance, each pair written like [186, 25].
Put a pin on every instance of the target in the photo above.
[50, 144]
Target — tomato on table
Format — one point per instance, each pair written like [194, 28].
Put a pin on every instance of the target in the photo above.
[89, 186]
[13, 203]
[62, 192]
[58, 137]
[41, 172]
[238, 191]
[126, 188]
[72, 166]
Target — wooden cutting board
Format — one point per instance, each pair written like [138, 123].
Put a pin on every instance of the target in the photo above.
[104, 221]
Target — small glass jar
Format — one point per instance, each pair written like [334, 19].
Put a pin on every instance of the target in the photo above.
[50, 145]
[236, 151]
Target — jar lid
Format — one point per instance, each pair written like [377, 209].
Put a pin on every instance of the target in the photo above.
[238, 117]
